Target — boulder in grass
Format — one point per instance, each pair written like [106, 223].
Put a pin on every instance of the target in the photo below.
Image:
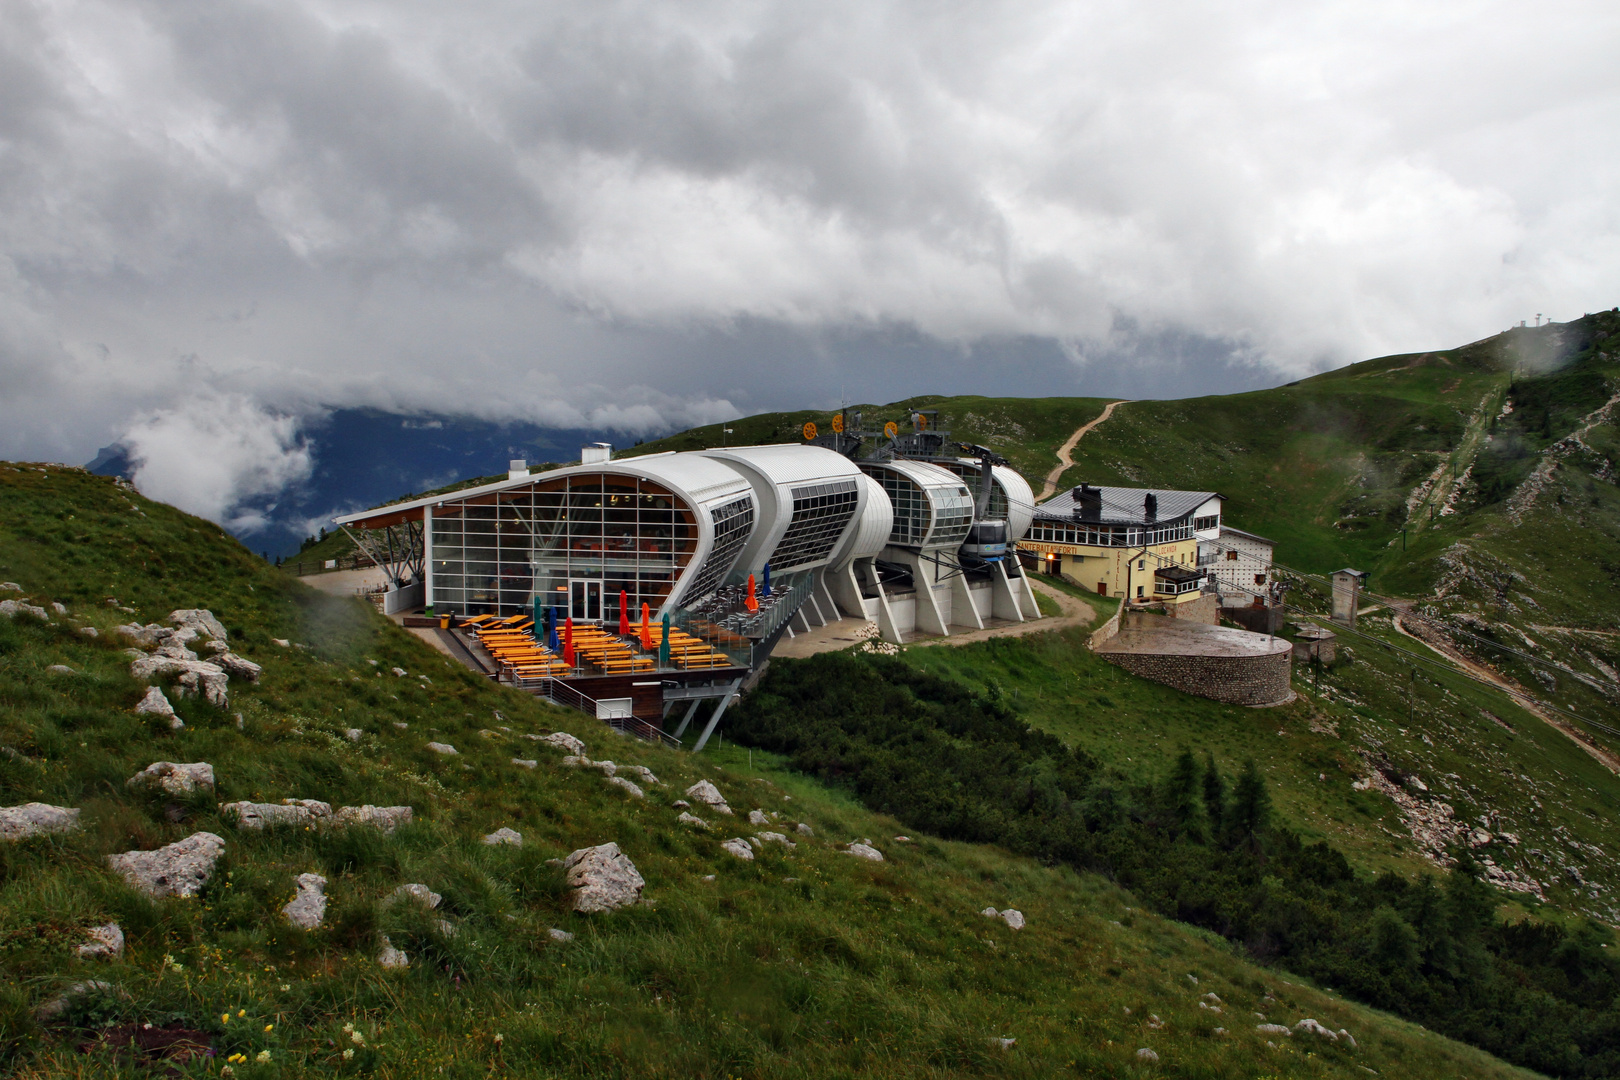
[602, 878]
[633, 790]
[689, 819]
[776, 838]
[417, 893]
[562, 741]
[990, 913]
[526, 763]
[12, 608]
[178, 869]
[390, 957]
[864, 851]
[706, 793]
[200, 620]
[1311, 1027]
[36, 819]
[561, 936]
[804, 830]
[60, 669]
[306, 909]
[154, 704]
[353, 734]
[442, 748]
[1148, 1056]
[386, 818]
[504, 836]
[757, 817]
[105, 942]
[1013, 918]
[1272, 1029]
[175, 778]
[56, 1008]
[239, 668]
[642, 771]
[250, 815]
[739, 847]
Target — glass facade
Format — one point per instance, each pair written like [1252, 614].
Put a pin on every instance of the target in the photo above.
[575, 541]
[821, 512]
[970, 477]
[949, 512]
[1064, 532]
[733, 523]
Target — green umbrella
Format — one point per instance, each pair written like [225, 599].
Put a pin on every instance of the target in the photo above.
[663, 646]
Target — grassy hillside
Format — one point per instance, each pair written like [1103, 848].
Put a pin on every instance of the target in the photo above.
[799, 963]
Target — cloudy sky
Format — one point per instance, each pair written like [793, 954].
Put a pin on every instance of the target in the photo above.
[218, 218]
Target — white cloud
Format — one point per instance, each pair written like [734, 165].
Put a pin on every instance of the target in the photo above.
[217, 455]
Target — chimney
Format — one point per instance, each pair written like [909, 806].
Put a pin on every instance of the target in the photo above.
[1087, 503]
[516, 469]
[596, 453]
[1150, 507]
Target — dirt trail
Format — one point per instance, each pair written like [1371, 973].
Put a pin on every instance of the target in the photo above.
[1580, 738]
[1067, 462]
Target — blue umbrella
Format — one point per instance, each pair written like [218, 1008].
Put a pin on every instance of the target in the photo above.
[551, 633]
[663, 644]
[766, 589]
[539, 628]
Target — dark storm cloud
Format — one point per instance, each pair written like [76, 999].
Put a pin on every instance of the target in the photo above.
[217, 218]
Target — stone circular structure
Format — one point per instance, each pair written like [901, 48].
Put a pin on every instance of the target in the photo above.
[1219, 662]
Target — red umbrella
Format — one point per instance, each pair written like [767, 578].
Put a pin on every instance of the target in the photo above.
[646, 630]
[752, 603]
[624, 614]
[568, 641]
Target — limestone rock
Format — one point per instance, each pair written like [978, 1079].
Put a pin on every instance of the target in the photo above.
[421, 894]
[525, 763]
[706, 793]
[386, 818]
[561, 740]
[59, 608]
[57, 1007]
[390, 957]
[1005, 1044]
[756, 817]
[60, 669]
[559, 935]
[106, 943]
[864, 851]
[201, 620]
[642, 771]
[680, 804]
[36, 819]
[441, 748]
[602, 878]
[178, 869]
[308, 907]
[504, 836]
[154, 704]
[1347, 1037]
[990, 913]
[1311, 1027]
[804, 830]
[174, 778]
[250, 815]
[89, 631]
[238, 668]
[353, 734]
[739, 847]
[12, 608]
[398, 671]
[689, 819]
[10, 586]
[1211, 998]
[776, 838]
[633, 789]
[1013, 918]
[1272, 1029]
[1144, 1054]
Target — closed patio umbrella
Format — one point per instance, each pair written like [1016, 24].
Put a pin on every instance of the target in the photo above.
[765, 586]
[751, 602]
[646, 628]
[624, 614]
[568, 642]
[551, 632]
[663, 646]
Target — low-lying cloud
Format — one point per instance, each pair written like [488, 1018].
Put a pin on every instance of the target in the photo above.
[638, 216]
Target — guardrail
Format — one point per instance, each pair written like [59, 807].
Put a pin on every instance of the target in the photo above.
[300, 567]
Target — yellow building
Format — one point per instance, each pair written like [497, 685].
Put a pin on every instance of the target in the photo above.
[1140, 543]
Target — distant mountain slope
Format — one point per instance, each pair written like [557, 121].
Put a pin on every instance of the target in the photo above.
[365, 456]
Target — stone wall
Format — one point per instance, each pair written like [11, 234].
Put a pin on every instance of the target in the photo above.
[1206, 610]
[1236, 680]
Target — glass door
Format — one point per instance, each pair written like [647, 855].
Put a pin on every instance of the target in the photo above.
[585, 600]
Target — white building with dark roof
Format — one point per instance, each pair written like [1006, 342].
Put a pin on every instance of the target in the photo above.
[1135, 543]
[1240, 564]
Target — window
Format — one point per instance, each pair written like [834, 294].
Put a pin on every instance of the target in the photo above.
[1259, 579]
[1141, 564]
[820, 514]
[1231, 556]
[1213, 521]
[733, 524]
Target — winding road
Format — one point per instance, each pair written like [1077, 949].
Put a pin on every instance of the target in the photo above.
[1067, 462]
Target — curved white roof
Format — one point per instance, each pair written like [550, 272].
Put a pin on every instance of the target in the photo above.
[933, 508]
[1020, 500]
[778, 473]
[874, 523]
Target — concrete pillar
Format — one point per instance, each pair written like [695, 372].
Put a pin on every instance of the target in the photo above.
[1004, 603]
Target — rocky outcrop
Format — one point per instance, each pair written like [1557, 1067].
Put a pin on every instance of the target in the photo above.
[193, 675]
[1308, 1026]
[307, 909]
[105, 942]
[238, 668]
[13, 608]
[199, 620]
[739, 847]
[178, 869]
[643, 772]
[36, 819]
[504, 836]
[174, 778]
[709, 795]
[251, 815]
[386, 818]
[602, 878]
